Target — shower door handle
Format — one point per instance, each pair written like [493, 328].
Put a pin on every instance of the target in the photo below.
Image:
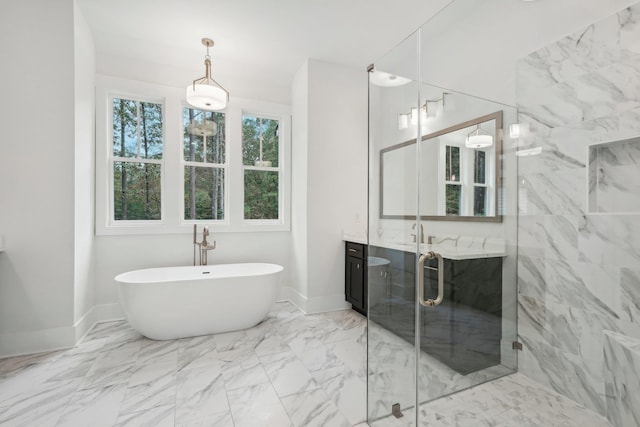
[431, 302]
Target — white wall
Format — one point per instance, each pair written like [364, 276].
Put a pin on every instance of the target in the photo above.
[299, 196]
[84, 169]
[336, 176]
[117, 254]
[37, 175]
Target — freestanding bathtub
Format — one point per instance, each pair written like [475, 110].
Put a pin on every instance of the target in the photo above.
[176, 302]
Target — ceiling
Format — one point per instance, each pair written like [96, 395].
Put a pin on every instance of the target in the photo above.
[263, 41]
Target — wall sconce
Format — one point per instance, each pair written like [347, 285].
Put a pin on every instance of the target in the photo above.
[517, 130]
[430, 108]
[478, 138]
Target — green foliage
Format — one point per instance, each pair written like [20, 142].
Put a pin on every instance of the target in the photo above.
[136, 191]
[138, 133]
[260, 194]
[204, 143]
[453, 193]
[203, 193]
[253, 128]
[260, 141]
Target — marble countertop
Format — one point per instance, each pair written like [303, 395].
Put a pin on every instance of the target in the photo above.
[459, 248]
[449, 251]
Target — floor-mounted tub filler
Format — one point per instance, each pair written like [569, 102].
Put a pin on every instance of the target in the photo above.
[177, 302]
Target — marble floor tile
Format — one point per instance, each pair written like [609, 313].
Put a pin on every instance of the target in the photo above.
[42, 407]
[196, 352]
[221, 419]
[94, 407]
[257, 405]
[200, 392]
[287, 374]
[313, 409]
[151, 386]
[160, 416]
[242, 369]
[290, 370]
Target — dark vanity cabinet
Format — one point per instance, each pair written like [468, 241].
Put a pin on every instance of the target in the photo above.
[355, 280]
[465, 330]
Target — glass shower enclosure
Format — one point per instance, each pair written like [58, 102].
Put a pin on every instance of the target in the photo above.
[442, 237]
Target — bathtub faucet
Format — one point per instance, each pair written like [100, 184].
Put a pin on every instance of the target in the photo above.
[204, 246]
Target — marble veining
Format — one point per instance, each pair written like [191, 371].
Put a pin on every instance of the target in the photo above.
[318, 379]
[578, 219]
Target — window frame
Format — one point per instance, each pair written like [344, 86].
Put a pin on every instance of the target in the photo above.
[278, 169]
[172, 179]
[184, 163]
[133, 160]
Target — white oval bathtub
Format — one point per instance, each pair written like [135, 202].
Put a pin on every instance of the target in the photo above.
[176, 302]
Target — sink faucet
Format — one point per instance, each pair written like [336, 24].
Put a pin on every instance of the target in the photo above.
[204, 246]
[413, 236]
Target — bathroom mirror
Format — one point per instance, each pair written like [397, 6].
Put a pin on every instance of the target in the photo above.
[459, 168]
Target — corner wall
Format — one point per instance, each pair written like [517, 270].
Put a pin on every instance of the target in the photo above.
[37, 176]
[85, 71]
[579, 270]
[331, 146]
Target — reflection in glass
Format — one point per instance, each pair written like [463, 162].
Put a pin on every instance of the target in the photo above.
[452, 163]
[480, 201]
[479, 169]
[204, 136]
[260, 141]
[453, 195]
[203, 193]
[136, 191]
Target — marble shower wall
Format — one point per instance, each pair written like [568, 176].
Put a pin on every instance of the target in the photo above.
[578, 271]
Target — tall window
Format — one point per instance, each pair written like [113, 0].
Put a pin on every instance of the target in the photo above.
[260, 159]
[205, 164]
[453, 184]
[136, 159]
[479, 183]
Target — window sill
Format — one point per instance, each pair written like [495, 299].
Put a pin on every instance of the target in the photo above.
[187, 228]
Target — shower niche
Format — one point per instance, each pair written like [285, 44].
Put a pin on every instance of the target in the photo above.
[614, 176]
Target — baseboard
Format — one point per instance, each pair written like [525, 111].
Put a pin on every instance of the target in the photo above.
[21, 343]
[315, 304]
[97, 314]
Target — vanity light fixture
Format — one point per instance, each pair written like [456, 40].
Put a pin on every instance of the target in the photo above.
[430, 108]
[517, 130]
[478, 138]
[205, 93]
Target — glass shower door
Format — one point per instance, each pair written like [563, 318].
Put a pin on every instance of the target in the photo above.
[394, 234]
[441, 268]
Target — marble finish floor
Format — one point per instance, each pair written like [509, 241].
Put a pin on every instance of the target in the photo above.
[291, 370]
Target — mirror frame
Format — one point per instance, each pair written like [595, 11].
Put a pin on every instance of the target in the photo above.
[497, 116]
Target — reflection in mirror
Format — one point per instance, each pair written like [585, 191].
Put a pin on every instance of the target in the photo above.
[459, 170]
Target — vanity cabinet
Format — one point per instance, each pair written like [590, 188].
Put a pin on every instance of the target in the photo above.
[355, 279]
[463, 332]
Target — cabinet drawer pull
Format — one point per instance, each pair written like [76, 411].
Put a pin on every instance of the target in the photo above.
[352, 250]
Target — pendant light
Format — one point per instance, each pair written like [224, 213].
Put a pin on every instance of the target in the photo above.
[205, 93]
[478, 139]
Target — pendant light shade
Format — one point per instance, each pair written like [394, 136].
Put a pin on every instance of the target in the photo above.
[478, 139]
[205, 93]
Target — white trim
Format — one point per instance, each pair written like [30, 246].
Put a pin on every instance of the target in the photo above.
[314, 305]
[21, 343]
[173, 221]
